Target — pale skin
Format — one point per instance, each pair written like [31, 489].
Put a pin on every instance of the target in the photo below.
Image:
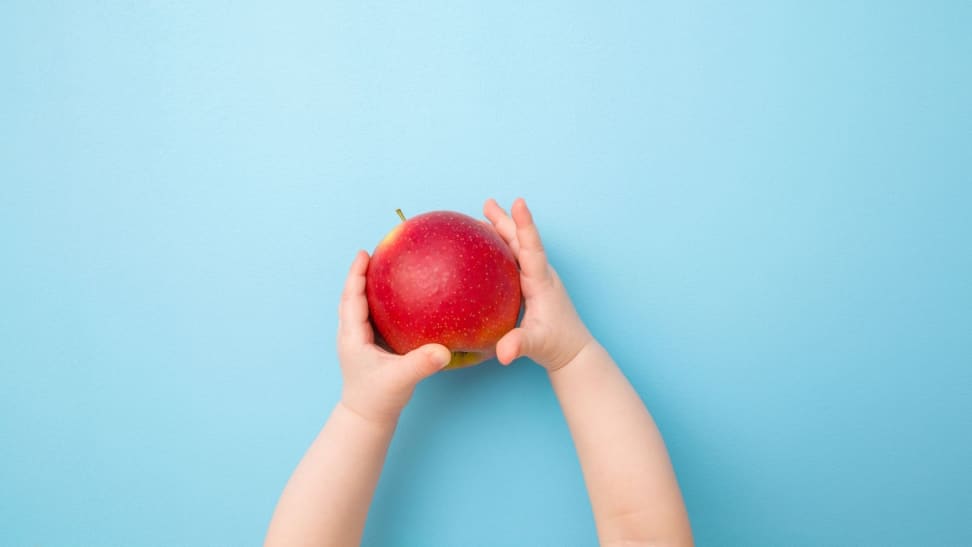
[632, 486]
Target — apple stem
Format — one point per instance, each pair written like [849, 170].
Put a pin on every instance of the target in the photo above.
[400, 214]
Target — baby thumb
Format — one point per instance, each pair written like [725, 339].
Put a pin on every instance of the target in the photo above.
[513, 345]
[425, 361]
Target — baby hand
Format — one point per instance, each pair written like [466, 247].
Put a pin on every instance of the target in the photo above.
[377, 384]
[550, 333]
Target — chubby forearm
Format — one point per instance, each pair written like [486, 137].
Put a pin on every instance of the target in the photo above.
[326, 501]
[630, 480]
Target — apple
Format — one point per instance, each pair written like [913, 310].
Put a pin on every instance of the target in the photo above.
[447, 278]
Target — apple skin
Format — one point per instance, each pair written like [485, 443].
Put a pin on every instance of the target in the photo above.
[447, 278]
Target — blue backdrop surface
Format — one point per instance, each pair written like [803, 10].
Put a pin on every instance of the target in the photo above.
[763, 209]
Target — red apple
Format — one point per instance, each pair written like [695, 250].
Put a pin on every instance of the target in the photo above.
[446, 278]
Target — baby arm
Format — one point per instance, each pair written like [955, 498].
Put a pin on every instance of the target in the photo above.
[630, 480]
[326, 499]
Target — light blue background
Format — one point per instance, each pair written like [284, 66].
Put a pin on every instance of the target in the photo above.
[762, 209]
